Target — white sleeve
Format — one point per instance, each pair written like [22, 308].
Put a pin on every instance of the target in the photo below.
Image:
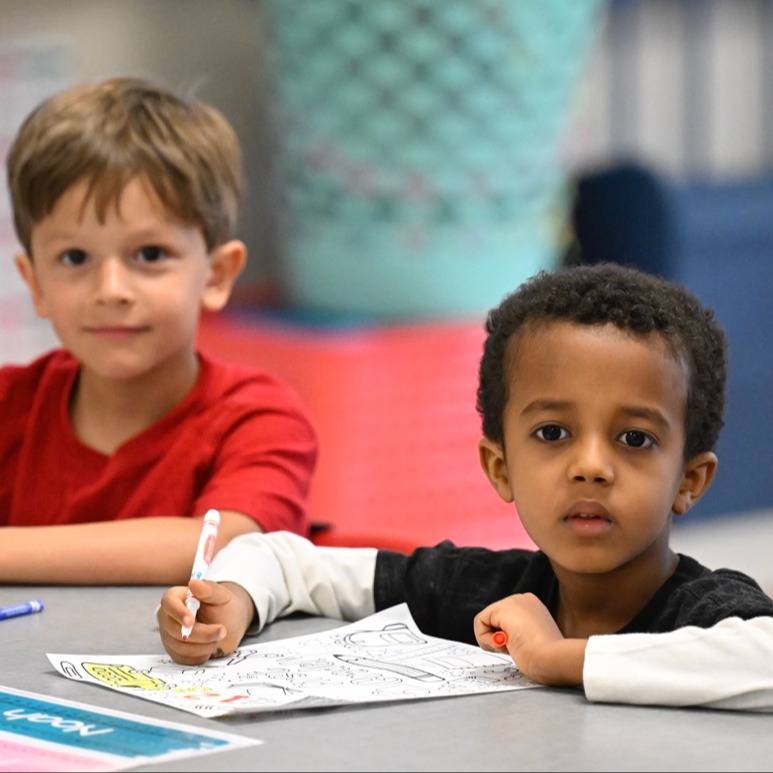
[285, 573]
[727, 666]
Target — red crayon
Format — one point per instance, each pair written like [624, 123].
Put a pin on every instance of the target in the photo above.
[499, 638]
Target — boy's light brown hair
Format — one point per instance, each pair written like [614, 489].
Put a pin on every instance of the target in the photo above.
[111, 132]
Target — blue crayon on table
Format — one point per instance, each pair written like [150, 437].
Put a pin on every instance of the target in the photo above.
[16, 610]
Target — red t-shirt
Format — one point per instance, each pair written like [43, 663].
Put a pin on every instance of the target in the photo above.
[241, 440]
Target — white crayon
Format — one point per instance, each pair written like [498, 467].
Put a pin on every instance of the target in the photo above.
[204, 553]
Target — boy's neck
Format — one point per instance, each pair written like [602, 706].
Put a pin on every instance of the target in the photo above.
[106, 413]
[592, 604]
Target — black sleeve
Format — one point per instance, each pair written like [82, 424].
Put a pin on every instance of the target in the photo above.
[446, 586]
[716, 596]
[697, 595]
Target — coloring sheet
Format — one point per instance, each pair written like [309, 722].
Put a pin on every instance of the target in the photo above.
[384, 657]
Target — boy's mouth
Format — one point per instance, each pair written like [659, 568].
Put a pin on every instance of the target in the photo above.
[116, 331]
[588, 510]
[588, 516]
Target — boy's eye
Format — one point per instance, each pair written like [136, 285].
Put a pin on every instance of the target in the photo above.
[551, 433]
[73, 257]
[637, 439]
[151, 253]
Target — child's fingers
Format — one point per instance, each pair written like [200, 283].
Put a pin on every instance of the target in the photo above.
[192, 652]
[210, 592]
[201, 635]
[482, 623]
[208, 636]
[173, 600]
[172, 605]
[203, 643]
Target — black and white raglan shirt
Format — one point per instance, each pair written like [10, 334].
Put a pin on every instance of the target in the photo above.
[704, 639]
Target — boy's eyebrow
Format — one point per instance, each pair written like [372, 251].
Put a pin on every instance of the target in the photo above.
[634, 411]
[142, 231]
[655, 416]
[545, 405]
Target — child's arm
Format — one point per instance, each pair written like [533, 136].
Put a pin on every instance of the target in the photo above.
[727, 666]
[534, 641]
[136, 551]
[259, 578]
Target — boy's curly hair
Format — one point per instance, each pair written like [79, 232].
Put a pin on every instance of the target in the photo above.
[113, 131]
[634, 301]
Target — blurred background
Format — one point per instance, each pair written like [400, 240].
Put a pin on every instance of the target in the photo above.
[409, 163]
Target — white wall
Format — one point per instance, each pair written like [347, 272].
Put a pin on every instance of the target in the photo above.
[686, 85]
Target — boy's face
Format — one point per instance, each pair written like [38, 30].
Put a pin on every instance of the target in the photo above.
[124, 295]
[594, 441]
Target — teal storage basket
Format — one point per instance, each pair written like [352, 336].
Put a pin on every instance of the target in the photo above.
[419, 145]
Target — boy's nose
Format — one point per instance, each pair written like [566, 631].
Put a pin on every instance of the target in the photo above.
[113, 282]
[591, 462]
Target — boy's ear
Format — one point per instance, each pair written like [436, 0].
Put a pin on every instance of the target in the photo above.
[228, 261]
[492, 460]
[26, 269]
[698, 474]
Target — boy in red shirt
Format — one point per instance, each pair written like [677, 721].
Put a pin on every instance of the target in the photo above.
[125, 199]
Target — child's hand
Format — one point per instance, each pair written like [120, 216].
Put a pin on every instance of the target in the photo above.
[534, 641]
[225, 613]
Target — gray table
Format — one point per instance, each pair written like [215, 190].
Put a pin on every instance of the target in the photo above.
[536, 729]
